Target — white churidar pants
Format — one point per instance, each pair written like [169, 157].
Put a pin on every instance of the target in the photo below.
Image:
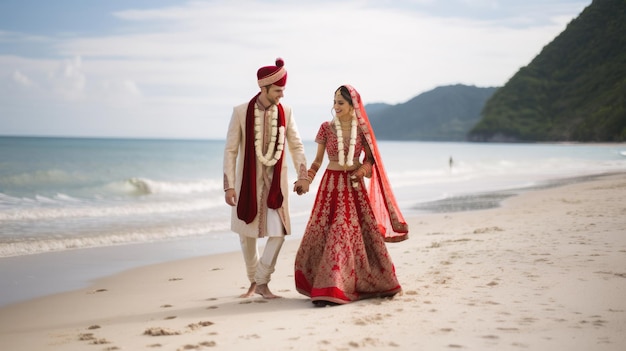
[260, 270]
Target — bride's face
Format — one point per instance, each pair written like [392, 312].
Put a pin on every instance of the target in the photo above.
[343, 109]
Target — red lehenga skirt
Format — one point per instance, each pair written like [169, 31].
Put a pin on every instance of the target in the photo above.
[342, 256]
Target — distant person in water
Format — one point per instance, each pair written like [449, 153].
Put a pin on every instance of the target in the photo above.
[255, 174]
[342, 256]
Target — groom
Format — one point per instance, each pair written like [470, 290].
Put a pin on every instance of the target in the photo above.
[256, 185]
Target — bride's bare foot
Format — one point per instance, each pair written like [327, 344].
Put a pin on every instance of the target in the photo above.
[264, 290]
[250, 292]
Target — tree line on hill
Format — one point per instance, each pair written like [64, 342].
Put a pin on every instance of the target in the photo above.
[574, 90]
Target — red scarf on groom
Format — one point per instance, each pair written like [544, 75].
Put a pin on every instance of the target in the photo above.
[247, 209]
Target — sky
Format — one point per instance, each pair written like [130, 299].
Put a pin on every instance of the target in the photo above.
[175, 69]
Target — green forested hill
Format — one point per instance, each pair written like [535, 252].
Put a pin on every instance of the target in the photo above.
[442, 114]
[574, 90]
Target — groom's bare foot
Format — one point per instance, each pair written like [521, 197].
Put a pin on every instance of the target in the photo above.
[250, 292]
[264, 290]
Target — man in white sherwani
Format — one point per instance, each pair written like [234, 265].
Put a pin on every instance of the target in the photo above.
[256, 184]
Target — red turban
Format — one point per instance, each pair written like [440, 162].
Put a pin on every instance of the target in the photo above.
[276, 75]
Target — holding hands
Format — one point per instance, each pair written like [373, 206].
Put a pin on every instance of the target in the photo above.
[301, 186]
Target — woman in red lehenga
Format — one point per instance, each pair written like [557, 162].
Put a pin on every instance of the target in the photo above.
[342, 256]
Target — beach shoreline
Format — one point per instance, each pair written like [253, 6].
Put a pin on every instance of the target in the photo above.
[485, 200]
[544, 271]
[33, 276]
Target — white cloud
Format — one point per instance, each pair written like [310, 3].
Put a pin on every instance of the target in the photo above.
[68, 81]
[195, 61]
[21, 80]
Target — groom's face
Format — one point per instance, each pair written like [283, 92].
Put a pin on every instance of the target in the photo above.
[274, 93]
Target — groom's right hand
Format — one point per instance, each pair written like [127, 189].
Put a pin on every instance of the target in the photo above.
[230, 195]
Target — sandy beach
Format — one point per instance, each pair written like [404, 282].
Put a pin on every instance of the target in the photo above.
[545, 271]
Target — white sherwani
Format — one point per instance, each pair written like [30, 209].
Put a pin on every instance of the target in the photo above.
[234, 152]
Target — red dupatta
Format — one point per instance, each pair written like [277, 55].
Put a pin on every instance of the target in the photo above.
[381, 196]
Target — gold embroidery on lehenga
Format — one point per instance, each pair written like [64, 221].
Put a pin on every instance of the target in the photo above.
[343, 249]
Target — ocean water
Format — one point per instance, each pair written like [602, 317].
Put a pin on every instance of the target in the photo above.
[74, 210]
[61, 194]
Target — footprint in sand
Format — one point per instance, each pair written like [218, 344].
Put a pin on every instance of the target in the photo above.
[157, 331]
[596, 323]
[86, 336]
[200, 345]
[97, 291]
[367, 342]
[194, 326]
[487, 230]
[92, 339]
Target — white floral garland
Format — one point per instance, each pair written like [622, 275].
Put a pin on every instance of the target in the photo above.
[342, 155]
[268, 159]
